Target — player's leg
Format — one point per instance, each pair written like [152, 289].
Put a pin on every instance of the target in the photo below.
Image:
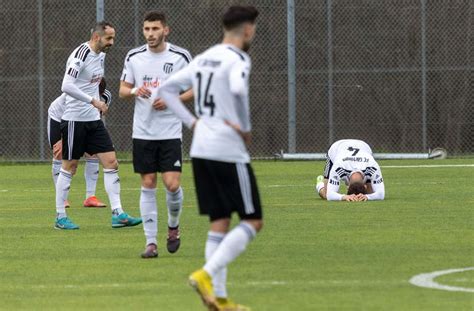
[145, 163]
[149, 214]
[55, 143]
[91, 175]
[100, 144]
[245, 198]
[211, 201]
[73, 144]
[322, 180]
[169, 159]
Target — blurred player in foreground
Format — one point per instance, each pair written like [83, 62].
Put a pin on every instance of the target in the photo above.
[223, 177]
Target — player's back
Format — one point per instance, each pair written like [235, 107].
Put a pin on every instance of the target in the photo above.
[216, 101]
[352, 145]
[364, 162]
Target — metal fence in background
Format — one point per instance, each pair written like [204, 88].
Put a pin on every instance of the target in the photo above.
[395, 73]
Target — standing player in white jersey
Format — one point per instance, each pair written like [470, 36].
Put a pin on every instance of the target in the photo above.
[82, 129]
[351, 161]
[91, 170]
[223, 177]
[156, 130]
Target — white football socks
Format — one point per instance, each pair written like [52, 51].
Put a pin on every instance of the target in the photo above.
[148, 211]
[219, 280]
[174, 202]
[56, 167]
[230, 248]
[112, 187]
[91, 174]
[319, 186]
[63, 185]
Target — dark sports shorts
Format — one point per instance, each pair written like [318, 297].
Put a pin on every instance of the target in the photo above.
[151, 156]
[54, 132]
[89, 136]
[223, 188]
[328, 167]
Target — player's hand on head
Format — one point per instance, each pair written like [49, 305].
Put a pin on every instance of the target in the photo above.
[159, 104]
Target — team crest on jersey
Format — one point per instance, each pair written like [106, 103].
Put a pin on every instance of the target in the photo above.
[168, 67]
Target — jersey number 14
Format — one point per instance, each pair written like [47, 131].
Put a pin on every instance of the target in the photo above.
[207, 100]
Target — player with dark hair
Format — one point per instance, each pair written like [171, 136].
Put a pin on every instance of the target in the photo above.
[351, 161]
[223, 176]
[91, 170]
[156, 130]
[82, 129]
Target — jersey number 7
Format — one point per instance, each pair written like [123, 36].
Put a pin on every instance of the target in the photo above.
[208, 100]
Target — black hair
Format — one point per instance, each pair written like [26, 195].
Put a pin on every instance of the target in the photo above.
[153, 16]
[238, 15]
[356, 187]
[100, 26]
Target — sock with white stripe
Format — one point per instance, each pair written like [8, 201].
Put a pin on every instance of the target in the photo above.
[174, 202]
[148, 211]
[56, 167]
[62, 191]
[230, 248]
[219, 280]
[91, 174]
[112, 187]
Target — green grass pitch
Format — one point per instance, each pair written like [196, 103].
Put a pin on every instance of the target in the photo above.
[311, 254]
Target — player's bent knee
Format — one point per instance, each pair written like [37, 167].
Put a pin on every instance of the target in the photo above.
[172, 187]
[256, 223]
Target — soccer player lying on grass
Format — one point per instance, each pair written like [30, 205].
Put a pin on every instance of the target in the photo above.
[351, 161]
[91, 170]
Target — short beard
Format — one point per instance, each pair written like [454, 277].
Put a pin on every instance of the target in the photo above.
[246, 46]
[159, 40]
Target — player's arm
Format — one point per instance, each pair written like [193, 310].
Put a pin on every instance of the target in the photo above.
[127, 88]
[70, 88]
[169, 92]
[378, 188]
[107, 97]
[332, 188]
[238, 82]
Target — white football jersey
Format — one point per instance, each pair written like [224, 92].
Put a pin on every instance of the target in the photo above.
[219, 78]
[354, 160]
[340, 147]
[57, 107]
[86, 69]
[145, 68]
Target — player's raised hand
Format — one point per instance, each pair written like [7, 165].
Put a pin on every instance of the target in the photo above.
[246, 136]
[159, 104]
[102, 106]
[143, 92]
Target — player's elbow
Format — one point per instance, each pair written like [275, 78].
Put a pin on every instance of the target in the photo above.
[123, 94]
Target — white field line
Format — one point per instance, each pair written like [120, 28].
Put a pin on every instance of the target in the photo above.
[428, 166]
[427, 280]
[279, 283]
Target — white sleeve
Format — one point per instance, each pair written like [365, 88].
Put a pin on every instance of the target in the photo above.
[332, 188]
[107, 97]
[378, 187]
[69, 87]
[127, 73]
[238, 81]
[170, 90]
